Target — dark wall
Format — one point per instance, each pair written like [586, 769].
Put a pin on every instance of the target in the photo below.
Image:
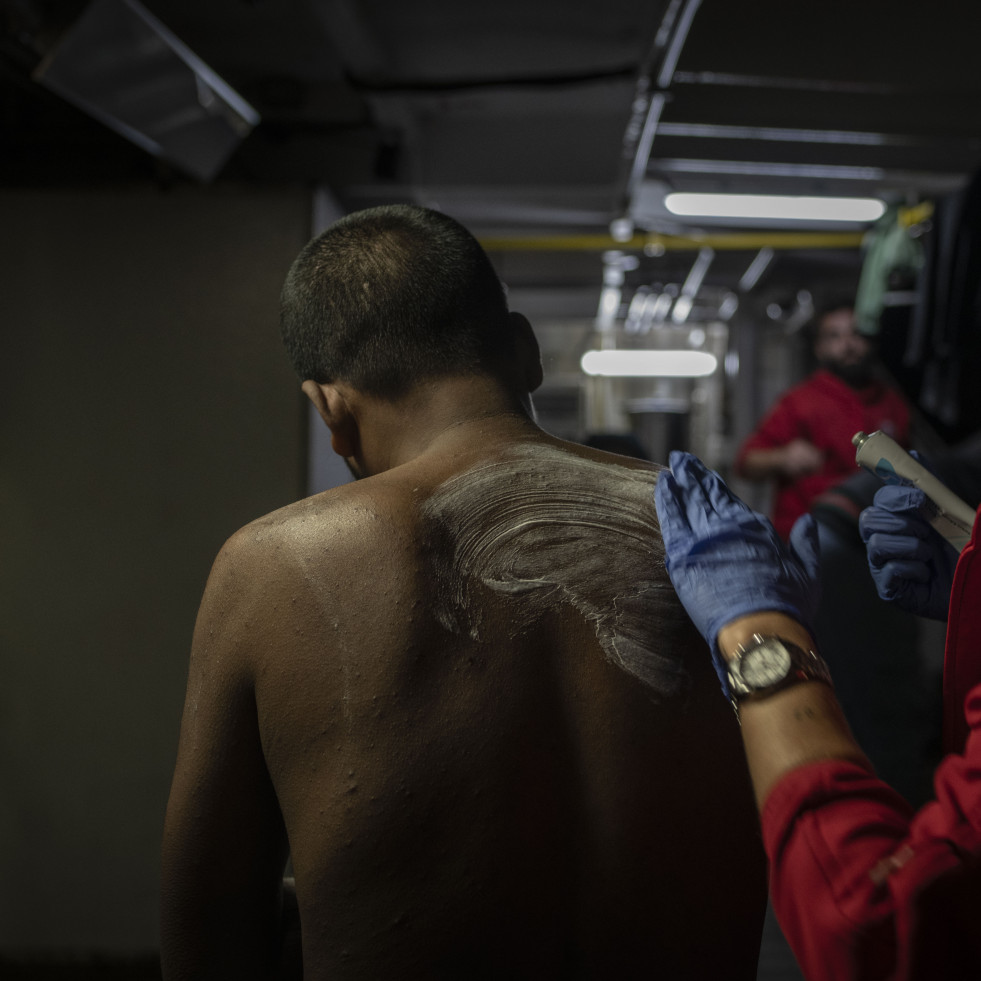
[147, 412]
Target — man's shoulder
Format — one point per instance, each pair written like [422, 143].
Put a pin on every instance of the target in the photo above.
[329, 517]
[304, 561]
[396, 506]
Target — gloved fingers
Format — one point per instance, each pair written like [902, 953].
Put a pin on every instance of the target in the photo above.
[723, 500]
[904, 570]
[804, 544]
[696, 489]
[708, 496]
[725, 503]
[876, 520]
[899, 498]
[883, 547]
[723, 558]
[671, 513]
[677, 459]
[681, 511]
[897, 584]
[690, 474]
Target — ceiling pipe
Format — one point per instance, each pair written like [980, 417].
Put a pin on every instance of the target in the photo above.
[650, 96]
[691, 286]
[615, 266]
[755, 269]
[784, 134]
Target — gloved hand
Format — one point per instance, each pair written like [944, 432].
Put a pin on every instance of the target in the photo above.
[725, 560]
[912, 566]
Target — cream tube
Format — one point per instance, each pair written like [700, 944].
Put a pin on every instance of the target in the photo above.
[883, 456]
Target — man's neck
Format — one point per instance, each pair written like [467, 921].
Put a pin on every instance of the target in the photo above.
[438, 417]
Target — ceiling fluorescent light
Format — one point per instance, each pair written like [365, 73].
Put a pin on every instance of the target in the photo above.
[621, 363]
[119, 64]
[774, 206]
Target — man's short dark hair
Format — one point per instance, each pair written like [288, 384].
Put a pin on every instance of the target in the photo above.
[392, 295]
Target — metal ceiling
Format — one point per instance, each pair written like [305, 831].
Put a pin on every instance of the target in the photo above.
[538, 123]
[524, 113]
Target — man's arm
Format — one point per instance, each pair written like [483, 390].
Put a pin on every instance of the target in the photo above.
[736, 578]
[786, 730]
[224, 846]
[790, 461]
[852, 871]
[779, 448]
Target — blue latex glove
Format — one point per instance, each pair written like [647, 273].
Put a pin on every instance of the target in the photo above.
[725, 560]
[911, 564]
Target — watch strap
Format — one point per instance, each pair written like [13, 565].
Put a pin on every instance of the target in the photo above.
[805, 665]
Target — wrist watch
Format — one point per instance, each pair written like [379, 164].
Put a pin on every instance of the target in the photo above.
[767, 664]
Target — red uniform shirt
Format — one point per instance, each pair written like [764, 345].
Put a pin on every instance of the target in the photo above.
[827, 412]
[862, 887]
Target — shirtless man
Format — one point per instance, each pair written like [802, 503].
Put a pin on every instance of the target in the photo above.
[450, 690]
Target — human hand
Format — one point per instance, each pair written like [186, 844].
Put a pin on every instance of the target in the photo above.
[800, 457]
[725, 560]
[911, 564]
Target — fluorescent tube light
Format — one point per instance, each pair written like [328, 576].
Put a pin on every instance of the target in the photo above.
[621, 363]
[774, 206]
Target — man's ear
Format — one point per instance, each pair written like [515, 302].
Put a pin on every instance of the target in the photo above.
[528, 353]
[333, 408]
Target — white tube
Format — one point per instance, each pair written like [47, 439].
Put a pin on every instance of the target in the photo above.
[883, 456]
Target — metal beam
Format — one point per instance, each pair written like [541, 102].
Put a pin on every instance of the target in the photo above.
[779, 134]
[656, 74]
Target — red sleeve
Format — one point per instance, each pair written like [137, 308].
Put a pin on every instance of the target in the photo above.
[779, 426]
[955, 815]
[850, 865]
[825, 827]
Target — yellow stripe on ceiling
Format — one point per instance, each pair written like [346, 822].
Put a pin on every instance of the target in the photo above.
[747, 241]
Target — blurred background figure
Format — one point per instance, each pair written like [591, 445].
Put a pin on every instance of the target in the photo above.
[803, 444]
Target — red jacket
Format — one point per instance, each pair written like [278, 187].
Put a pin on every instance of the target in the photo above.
[865, 889]
[826, 412]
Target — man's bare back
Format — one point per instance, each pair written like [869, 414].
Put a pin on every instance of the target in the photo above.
[446, 663]
[460, 693]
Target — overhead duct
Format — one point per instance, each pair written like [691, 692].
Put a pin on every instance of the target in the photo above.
[121, 65]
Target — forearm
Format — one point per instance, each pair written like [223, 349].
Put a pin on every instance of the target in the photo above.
[763, 464]
[790, 728]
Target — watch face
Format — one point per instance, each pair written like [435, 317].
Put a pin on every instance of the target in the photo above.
[765, 664]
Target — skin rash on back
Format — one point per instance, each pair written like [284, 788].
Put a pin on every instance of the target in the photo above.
[550, 528]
